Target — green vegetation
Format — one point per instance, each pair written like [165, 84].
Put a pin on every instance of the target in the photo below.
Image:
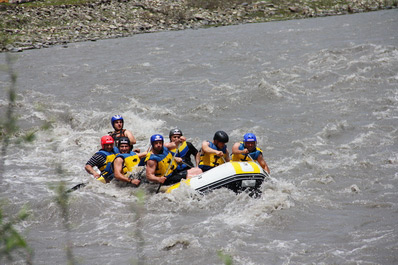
[8, 124]
[139, 209]
[62, 199]
[11, 242]
[226, 259]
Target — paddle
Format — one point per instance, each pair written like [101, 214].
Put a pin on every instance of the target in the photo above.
[188, 165]
[167, 171]
[78, 186]
[251, 157]
[84, 184]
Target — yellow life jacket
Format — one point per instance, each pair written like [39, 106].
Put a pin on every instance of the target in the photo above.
[131, 160]
[106, 168]
[244, 157]
[211, 160]
[163, 162]
[182, 150]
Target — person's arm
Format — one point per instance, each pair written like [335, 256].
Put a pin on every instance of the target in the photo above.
[150, 172]
[207, 149]
[131, 137]
[141, 155]
[226, 156]
[173, 145]
[95, 161]
[236, 151]
[197, 157]
[170, 145]
[92, 171]
[262, 163]
[118, 172]
[178, 159]
[192, 151]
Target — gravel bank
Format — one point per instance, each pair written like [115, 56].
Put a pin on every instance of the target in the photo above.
[27, 26]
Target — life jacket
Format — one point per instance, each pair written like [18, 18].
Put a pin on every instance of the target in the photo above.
[117, 134]
[106, 168]
[244, 157]
[130, 161]
[163, 162]
[182, 152]
[208, 160]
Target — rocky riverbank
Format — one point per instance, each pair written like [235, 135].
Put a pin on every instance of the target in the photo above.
[40, 24]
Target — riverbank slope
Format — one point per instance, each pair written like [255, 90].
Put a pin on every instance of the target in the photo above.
[41, 24]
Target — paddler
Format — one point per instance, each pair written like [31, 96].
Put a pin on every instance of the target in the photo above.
[185, 151]
[247, 150]
[214, 153]
[161, 163]
[102, 160]
[117, 122]
[126, 161]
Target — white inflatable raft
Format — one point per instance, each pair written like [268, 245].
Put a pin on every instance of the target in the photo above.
[237, 176]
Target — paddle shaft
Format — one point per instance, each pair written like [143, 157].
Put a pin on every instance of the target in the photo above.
[76, 187]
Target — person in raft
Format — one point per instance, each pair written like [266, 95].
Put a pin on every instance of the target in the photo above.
[102, 160]
[161, 163]
[125, 162]
[214, 153]
[247, 150]
[185, 150]
[117, 122]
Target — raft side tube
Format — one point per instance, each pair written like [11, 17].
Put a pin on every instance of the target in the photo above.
[233, 175]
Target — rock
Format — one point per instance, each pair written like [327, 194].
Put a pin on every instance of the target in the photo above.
[354, 188]
[294, 9]
[101, 19]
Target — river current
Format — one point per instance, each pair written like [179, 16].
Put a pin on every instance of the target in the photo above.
[320, 94]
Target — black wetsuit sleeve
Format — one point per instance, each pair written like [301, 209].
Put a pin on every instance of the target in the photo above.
[191, 151]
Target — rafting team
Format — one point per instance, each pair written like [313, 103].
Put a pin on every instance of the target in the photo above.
[165, 163]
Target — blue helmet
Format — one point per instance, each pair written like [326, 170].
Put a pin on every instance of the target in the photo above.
[249, 137]
[116, 118]
[156, 137]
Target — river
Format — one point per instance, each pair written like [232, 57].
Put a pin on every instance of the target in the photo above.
[320, 94]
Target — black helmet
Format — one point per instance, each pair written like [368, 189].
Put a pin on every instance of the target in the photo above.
[123, 140]
[221, 136]
[174, 132]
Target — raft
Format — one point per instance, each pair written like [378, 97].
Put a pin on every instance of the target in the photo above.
[237, 176]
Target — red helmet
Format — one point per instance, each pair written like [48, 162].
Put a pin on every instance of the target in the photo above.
[107, 139]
